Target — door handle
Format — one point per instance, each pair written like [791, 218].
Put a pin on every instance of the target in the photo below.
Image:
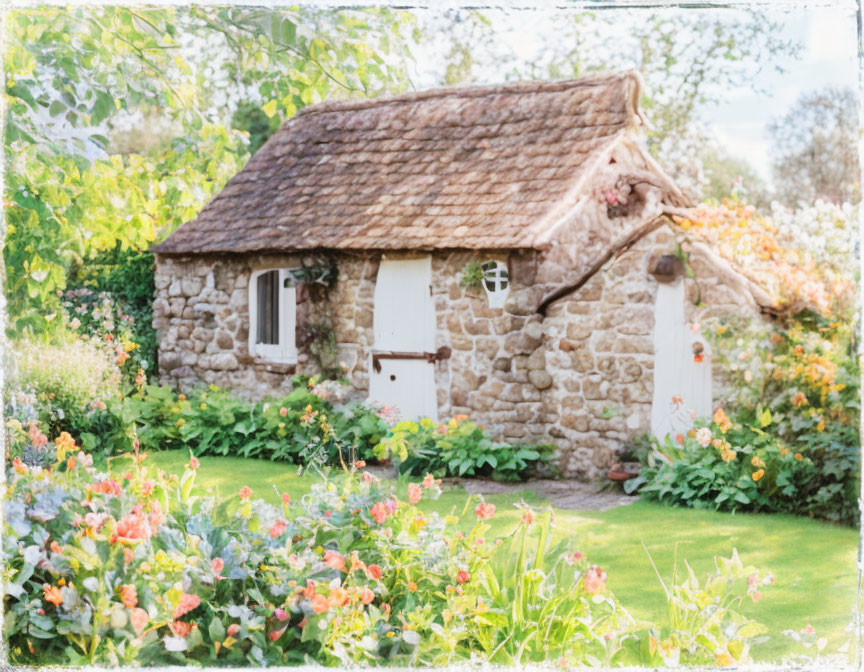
[439, 355]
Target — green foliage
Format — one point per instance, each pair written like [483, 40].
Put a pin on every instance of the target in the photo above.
[146, 569]
[705, 625]
[115, 289]
[253, 120]
[473, 275]
[81, 67]
[457, 448]
[72, 386]
[302, 427]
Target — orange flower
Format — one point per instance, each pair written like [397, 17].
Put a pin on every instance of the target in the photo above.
[181, 628]
[283, 411]
[414, 493]
[756, 461]
[55, 547]
[366, 596]
[679, 438]
[334, 560]
[799, 456]
[378, 512]
[233, 629]
[245, 492]
[799, 399]
[129, 596]
[309, 590]
[122, 356]
[412, 586]
[757, 475]
[595, 580]
[428, 481]
[462, 576]
[320, 604]
[52, 594]
[286, 498]
[338, 597]
[217, 565]
[374, 572]
[699, 358]
[720, 416]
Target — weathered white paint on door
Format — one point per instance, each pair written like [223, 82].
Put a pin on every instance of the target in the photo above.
[675, 371]
[404, 322]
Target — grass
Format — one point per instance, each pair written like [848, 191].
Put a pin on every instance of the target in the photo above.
[813, 562]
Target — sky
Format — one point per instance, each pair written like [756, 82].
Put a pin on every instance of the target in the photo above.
[828, 36]
[828, 56]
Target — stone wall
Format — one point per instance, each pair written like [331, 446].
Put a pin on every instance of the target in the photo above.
[580, 378]
[600, 351]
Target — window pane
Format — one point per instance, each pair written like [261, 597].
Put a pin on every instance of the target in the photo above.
[268, 308]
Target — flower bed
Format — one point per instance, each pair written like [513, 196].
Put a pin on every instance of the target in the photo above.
[142, 568]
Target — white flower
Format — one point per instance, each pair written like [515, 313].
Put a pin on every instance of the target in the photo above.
[704, 436]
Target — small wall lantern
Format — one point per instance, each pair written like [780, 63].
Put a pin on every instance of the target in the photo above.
[668, 268]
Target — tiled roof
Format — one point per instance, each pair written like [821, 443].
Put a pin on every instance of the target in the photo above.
[476, 168]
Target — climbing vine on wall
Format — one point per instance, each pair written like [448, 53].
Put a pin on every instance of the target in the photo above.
[315, 278]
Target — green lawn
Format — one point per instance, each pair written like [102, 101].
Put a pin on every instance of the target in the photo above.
[813, 562]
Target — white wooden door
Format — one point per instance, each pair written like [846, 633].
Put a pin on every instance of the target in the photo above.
[400, 374]
[676, 373]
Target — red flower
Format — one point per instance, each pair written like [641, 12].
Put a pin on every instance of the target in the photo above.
[245, 492]
[699, 358]
[129, 596]
[187, 603]
[462, 576]
[374, 572]
[286, 498]
[484, 511]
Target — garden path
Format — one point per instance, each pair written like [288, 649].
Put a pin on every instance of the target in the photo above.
[560, 493]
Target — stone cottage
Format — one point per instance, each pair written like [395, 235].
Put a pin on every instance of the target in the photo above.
[503, 252]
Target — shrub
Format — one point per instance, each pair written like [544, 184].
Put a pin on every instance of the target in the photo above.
[457, 448]
[72, 386]
[110, 296]
[301, 427]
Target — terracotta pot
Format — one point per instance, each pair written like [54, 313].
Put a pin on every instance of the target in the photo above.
[622, 472]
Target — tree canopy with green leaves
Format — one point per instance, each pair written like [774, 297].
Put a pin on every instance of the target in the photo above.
[72, 71]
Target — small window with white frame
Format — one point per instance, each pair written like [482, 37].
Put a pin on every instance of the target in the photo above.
[273, 315]
[496, 282]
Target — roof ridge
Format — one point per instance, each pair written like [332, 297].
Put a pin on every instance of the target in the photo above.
[475, 91]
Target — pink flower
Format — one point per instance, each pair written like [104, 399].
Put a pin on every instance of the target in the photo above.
[187, 603]
[414, 493]
[484, 511]
[755, 596]
[366, 595]
[194, 463]
[428, 481]
[809, 630]
[217, 564]
[704, 436]
[374, 572]
[278, 529]
[233, 629]
[595, 580]
[281, 614]
[131, 530]
[286, 498]
[245, 492]
[139, 619]
[573, 558]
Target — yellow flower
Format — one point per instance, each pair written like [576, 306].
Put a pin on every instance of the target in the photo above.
[724, 659]
[758, 475]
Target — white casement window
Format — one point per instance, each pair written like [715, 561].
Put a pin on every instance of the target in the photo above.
[273, 315]
[496, 282]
